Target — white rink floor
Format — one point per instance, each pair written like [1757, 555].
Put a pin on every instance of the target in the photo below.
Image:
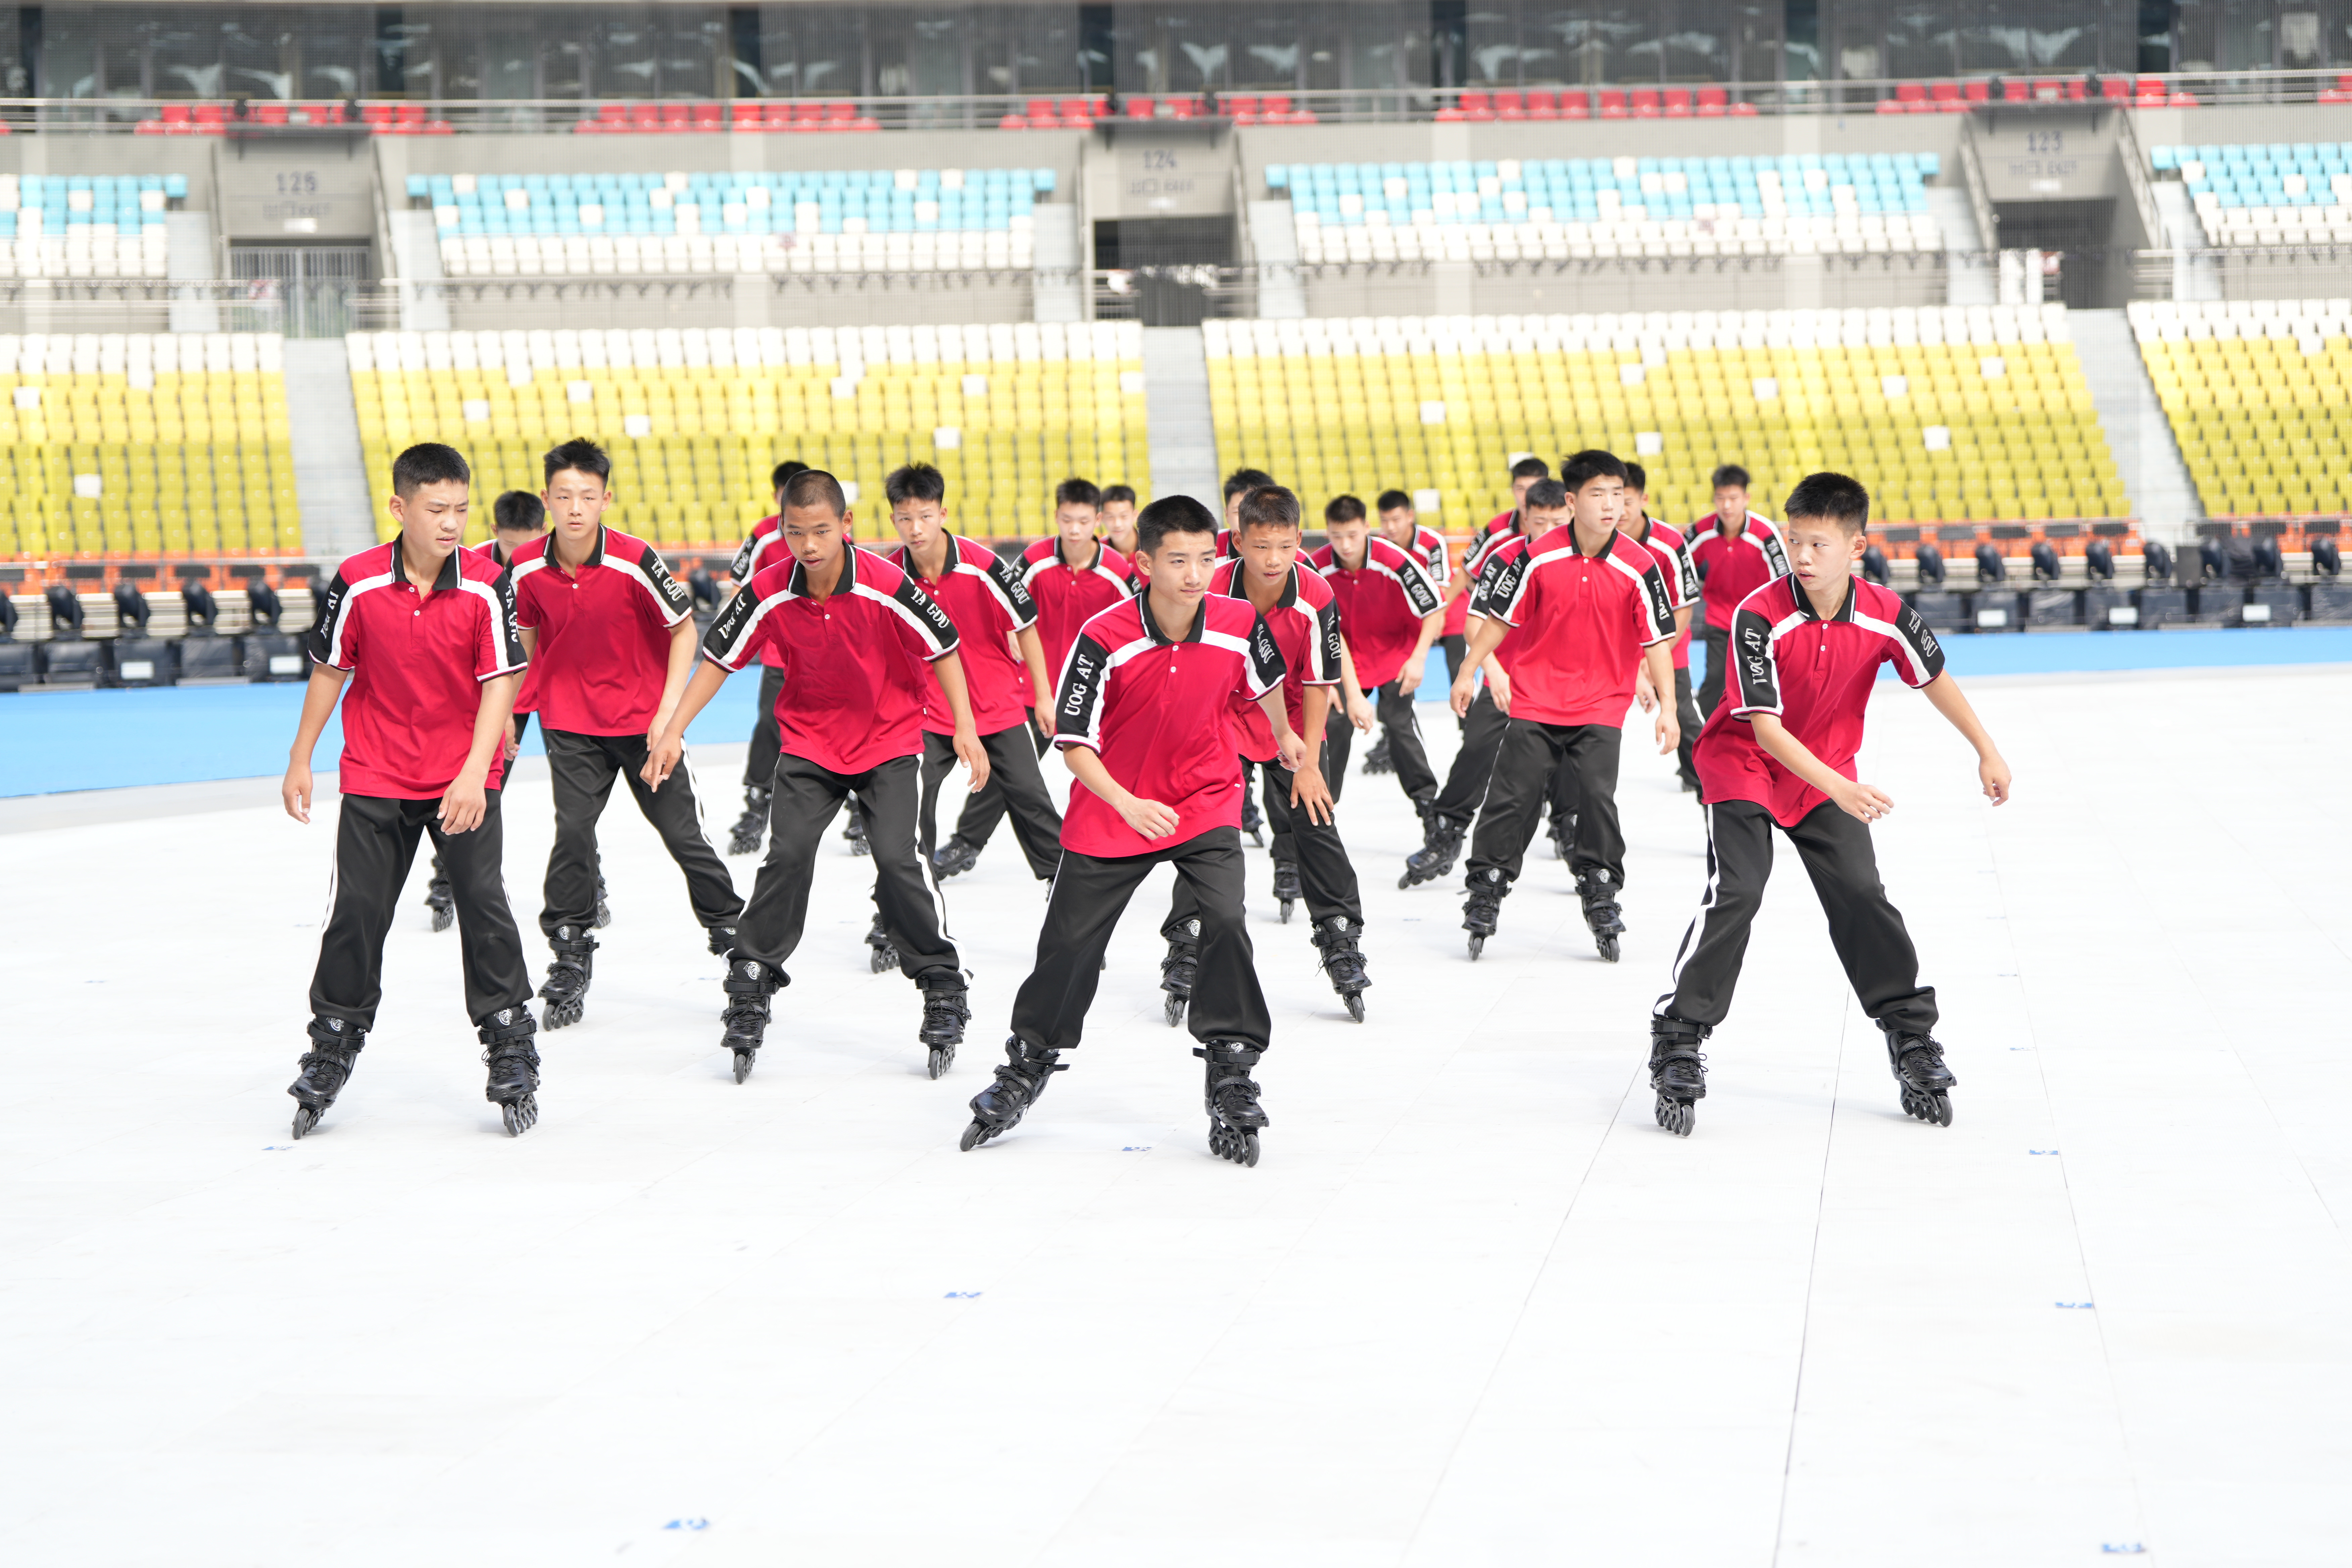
[1473, 1307]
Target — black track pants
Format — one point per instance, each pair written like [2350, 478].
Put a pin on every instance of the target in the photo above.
[1457, 649]
[1465, 781]
[375, 842]
[760, 762]
[1402, 730]
[1867, 931]
[1326, 878]
[583, 768]
[976, 824]
[1017, 782]
[1717, 643]
[1686, 714]
[1525, 762]
[1091, 893]
[807, 798]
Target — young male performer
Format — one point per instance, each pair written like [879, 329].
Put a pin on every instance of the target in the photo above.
[1142, 720]
[1592, 608]
[1297, 607]
[424, 633]
[1401, 527]
[1390, 613]
[1239, 483]
[612, 637]
[1118, 514]
[854, 633]
[763, 547]
[1734, 552]
[1004, 669]
[1780, 754]
[1673, 551]
[518, 518]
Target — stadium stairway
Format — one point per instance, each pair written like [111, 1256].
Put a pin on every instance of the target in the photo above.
[1183, 431]
[330, 474]
[2138, 433]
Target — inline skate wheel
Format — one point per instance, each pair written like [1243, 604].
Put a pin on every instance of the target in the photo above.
[1286, 911]
[743, 1065]
[882, 960]
[1930, 1108]
[1608, 945]
[442, 919]
[1227, 1144]
[562, 1014]
[304, 1120]
[973, 1137]
[1175, 1011]
[1355, 1009]
[521, 1115]
[1477, 945]
[942, 1056]
[1676, 1116]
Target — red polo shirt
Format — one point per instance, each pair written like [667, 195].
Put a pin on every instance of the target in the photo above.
[1585, 620]
[1817, 676]
[1382, 604]
[527, 699]
[604, 632]
[416, 663]
[984, 598]
[763, 548]
[854, 662]
[1731, 569]
[1674, 559]
[1481, 544]
[1494, 557]
[1305, 622]
[1067, 596]
[1156, 713]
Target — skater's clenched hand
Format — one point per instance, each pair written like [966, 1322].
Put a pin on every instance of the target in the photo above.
[1310, 794]
[1361, 713]
[1148, 818]
[1669, 731]
[661, 761]
[296, 791]
[1861, 800]
[1646, 694]
[1993, 774]
[465, 804]
[974, 756]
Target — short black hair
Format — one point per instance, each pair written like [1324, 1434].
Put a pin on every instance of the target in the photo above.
[1077, 492]
[783, 472]
[1530, 468]
[1637, 478]
[815, 487]
[1118, 492]
[518, 511]
[1242, 481]
[1546, 495]
[580, 454]
[428, 463]
[1579, 470]
[1840, 499]
[1172, 514]
[1268, 506]
[1343, 509]
[1394, 501]
[915, 481]
[1729, 474]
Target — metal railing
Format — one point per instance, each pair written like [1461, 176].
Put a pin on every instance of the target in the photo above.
[267, 119]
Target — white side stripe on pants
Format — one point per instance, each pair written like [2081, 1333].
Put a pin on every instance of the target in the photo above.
[1690, 936]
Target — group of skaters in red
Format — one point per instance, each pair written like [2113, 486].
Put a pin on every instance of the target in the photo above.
[1171, 657]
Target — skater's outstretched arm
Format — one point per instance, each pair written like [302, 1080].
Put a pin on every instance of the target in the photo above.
[1854, 799]
[949, 667]
[317, 707]
[1992, 772]
[661, 761]
[1150, 818]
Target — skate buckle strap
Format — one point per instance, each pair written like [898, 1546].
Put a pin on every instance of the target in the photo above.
[510, 1024]
[338, 1034]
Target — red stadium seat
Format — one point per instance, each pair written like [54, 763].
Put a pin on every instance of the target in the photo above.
[744, 114]
[1944, 98]
[1712, 102]
[1040, 112]
[2114, 86]
[1576, 104]
[1012, 122]
[1645, 103]
[2015, 91]
[707, 117]
[1612, 104]
[1510, 105]
[1140, 107]
[1678, 104]
[1478, 106]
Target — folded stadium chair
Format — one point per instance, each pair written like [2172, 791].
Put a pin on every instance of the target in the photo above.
[1678, 104]
[1944, 98]
[1712, 102]
[1241, 107]
[1612, 104]
[1510, 105]
[1542, 103]
[1140, 107]
[1644, 102]
[707, 117]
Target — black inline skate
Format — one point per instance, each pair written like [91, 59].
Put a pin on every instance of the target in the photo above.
[1482, 907]
[603, 910]
[1343, 961]
[566, 991]
[1285, 885]
[855, 831]
[1179, 969]
[326, 1067]
[749, 984]
[1562, 840]
[439, 900]
[1677, 1072]
[1601, 912]
[749, 827]
[722, 940]
[999, 1107]
[1252, 820]
[882, 953]
[1235, 1118]
[954, 857]
[1435, 857]
[513, 1062]
[946, 1010]
[1376, 758]
[1917, 1063]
